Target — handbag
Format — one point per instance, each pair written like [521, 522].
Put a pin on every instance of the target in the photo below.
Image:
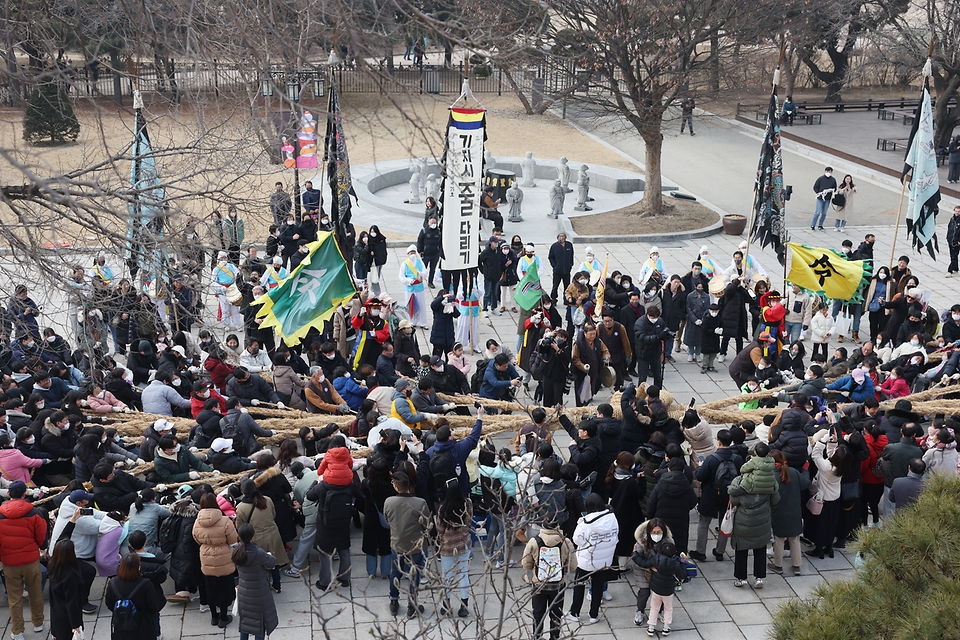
[843, 325]
[726, 525]
[78, 634]
[849, 491]
[815, 503]
[839, 200]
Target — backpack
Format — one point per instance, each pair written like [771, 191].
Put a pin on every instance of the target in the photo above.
[724, 475]
[443, 468]
[229, 429]
[549, 563]
[168, 535]
[337, 508]
[126, 617]
[537, 361]
[477, 378]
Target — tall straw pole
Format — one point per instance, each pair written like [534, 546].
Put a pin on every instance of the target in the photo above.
[753, 207]
[896, 227]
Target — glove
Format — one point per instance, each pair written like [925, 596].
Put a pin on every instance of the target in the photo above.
[343, 408]
[586, 367]
[255, 402]
[807, 328]
[193, 475]
[130, 464]
[127, 410]
[194, 449]
[33, 493]
[430, 416]
[718, 331]
[160, 488]
[216, 473]
[141, 461]
[194, 370]
[117, 409]
[450, 406]
[119, 464]
[698, 322]
[83, 402]
[44, 489]
[244, 410]
[47, 461]
[280, 405]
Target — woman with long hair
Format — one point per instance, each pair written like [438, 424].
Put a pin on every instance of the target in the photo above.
[454, 518]
[787, 515]
[832, 459]
[215, 533]
[129, 584]
[273, 483]
[648, 535]
[89, 452]
[258, 510]
[378, 247]
[66, 587]
[258, 613]
[879, 291]
[626, 487]
[846, 189]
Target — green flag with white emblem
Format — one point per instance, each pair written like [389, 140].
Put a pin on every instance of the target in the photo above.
[528, 289]
[310, 295]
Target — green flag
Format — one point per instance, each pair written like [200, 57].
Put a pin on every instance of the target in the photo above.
[528, 289]
[311, 294]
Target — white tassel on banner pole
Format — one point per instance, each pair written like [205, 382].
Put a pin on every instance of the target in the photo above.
[928, 68]
[776, 77]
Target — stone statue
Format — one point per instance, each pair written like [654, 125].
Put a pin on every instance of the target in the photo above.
[424, 167]
[529, 167]
[563, 171]
[414, 185]
[432, 190]
[557, 195]
[583, 190]
[514, 199]
[489, 162]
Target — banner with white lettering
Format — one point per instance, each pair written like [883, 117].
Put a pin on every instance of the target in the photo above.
[462, 188]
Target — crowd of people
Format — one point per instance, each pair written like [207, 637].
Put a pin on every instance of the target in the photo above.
[619, 499]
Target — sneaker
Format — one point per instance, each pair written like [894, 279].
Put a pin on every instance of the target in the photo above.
[671, 360]
[796, 571]
[196, 596]
[638, 618]
[225, 621]
[665, 631]
[414, 611]
[291, 572]
[592, 621]
[17, 636]
[38, 629]
[651, 631]
[607, 596]
[394, 607]
[720, 358]
[204, 608]
[689, 357]
[699, 557]
[775, 568]
[719, 556]
[572, 618]
[758, 583]
[679, 587]
[90, 608]
[739, 583]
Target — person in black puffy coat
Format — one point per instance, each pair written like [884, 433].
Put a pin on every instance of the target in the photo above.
[443, 334]
[378, 245]
[671, 501]
[789, 434]
[633, 433]
[185, 558]
[713, 503]
[429, 245]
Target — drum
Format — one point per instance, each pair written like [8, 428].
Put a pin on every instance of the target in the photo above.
[234, 296]
[716, 286]
[608, 376]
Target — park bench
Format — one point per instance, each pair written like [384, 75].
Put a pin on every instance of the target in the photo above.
[891, 144]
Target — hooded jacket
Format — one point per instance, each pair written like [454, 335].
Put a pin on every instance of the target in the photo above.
[753, 523]
[59, 443]
[586, 454]
[177, 467]
[549, 538]
[23, 530]
[229, 462]
[120, 493]
[336, 468]
[86, 531]
[16, 466]
[757, 475]
[792, 439]
[214, 532]
[596, 538]
[108, 547]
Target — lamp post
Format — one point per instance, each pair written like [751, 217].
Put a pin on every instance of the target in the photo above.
[293, 88]
[266, 86]
[319, 88]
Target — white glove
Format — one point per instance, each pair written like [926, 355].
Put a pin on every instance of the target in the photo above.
[194, 370]
[216, 473]
[119, 464]
[141, 461]
[33, 493]
[450, 406]
[116, 409]
[448, 309]
[193, 475]
[160, 488]
[194, 449]
[586, 367]
[255, 402]
[130, 464]
[127, 410]
[44, 489]
[244, 410]
[718, 331]
[280, 405]
[430, 416]
[698, 322]
[83, 402]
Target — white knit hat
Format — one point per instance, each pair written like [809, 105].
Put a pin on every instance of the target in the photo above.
[589, 251]
[412, 249]
[654, 250]
[529, 247]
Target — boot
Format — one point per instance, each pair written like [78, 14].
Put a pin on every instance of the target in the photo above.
[464, 609]
[856, 337]
[445, 607]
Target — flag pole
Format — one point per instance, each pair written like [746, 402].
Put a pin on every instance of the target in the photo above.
[896, 227]
[753, 204]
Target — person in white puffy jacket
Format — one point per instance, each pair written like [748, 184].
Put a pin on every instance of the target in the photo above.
[821, 326]
[596, 538]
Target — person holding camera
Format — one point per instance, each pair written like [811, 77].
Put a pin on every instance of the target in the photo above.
[589, 354]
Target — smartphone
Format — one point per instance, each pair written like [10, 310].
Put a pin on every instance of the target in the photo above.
[833, 406]
[477, 405]
[86, 511]
[693, 401]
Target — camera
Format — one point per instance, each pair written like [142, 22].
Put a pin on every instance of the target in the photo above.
[787, 192]
[86, 511]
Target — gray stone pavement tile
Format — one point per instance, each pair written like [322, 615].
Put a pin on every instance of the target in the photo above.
[704, 612]
[697, 590]
[774, 586]
[773, 604]
[719, 631]
[803, 586]
[756, 631]
[730, 594]
[746, 614]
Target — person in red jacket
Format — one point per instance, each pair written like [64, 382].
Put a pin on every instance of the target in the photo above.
[202, 391]
[336, 468]
[894, 386]
[773, 313]
[218, 368]
[22, 531]
[872, 486]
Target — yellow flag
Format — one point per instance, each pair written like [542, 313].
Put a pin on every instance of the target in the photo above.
[602, 287]
[826, 271]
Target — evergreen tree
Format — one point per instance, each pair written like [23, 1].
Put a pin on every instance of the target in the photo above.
[49, 118]
[908, 585]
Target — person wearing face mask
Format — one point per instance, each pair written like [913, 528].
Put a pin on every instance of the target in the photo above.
[253, 359]
[509, 279]
[251, 389]
[287, 382]
[443, 335]
[28, 445]
[378, 247]
[351, 392]
[855, 387]
[225, 273]
[561, 257]
[176, 463]
[491, 263]
[799, 312]
[372, 332]
[413, 276]
[696, 274]
[697, 307]
[322, 397]
[362, 258]
[649, 535]
[53, 348]
[58, 440]
[428, 246]
[632, 311]
[162, 397]
[653, 269]
[710, 345]
[324, 223]
[791, 359]
[233, 233]
[23, 312]
[710, 267]
[25, 348]
[824, 187]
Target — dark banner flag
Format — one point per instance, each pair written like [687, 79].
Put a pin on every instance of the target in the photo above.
[920, 168]
[768, 225]
[338, 171]
[145, 251]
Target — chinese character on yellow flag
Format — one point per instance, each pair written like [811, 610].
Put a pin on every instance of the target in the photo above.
[826, 271]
